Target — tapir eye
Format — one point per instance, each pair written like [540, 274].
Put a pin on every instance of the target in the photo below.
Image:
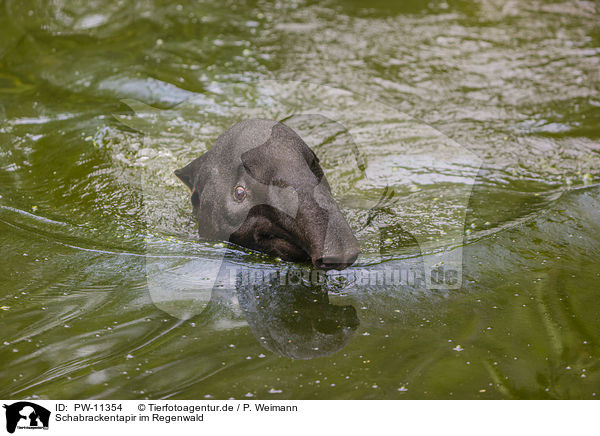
[239, 193]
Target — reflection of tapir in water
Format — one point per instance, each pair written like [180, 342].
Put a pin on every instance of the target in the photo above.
[296, 319]
[29, 412]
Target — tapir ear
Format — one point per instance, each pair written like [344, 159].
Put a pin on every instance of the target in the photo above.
[283, 149]
[189, 173]
[255, 162]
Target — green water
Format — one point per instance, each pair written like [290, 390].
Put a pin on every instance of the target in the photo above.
[100, 101]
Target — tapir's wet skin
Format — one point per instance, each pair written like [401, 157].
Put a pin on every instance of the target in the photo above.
[100, 102]
[260, 186]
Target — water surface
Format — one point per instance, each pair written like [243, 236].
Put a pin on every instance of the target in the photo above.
[101, 101]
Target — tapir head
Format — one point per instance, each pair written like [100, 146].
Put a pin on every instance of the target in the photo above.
[260, 186]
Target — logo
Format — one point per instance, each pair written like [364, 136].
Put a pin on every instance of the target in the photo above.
[26, 415]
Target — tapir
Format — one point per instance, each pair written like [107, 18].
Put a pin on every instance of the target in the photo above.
[260, 186]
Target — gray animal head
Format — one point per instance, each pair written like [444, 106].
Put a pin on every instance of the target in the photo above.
[260, 186]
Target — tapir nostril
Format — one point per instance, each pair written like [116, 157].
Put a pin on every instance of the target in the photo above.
[336, 262]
